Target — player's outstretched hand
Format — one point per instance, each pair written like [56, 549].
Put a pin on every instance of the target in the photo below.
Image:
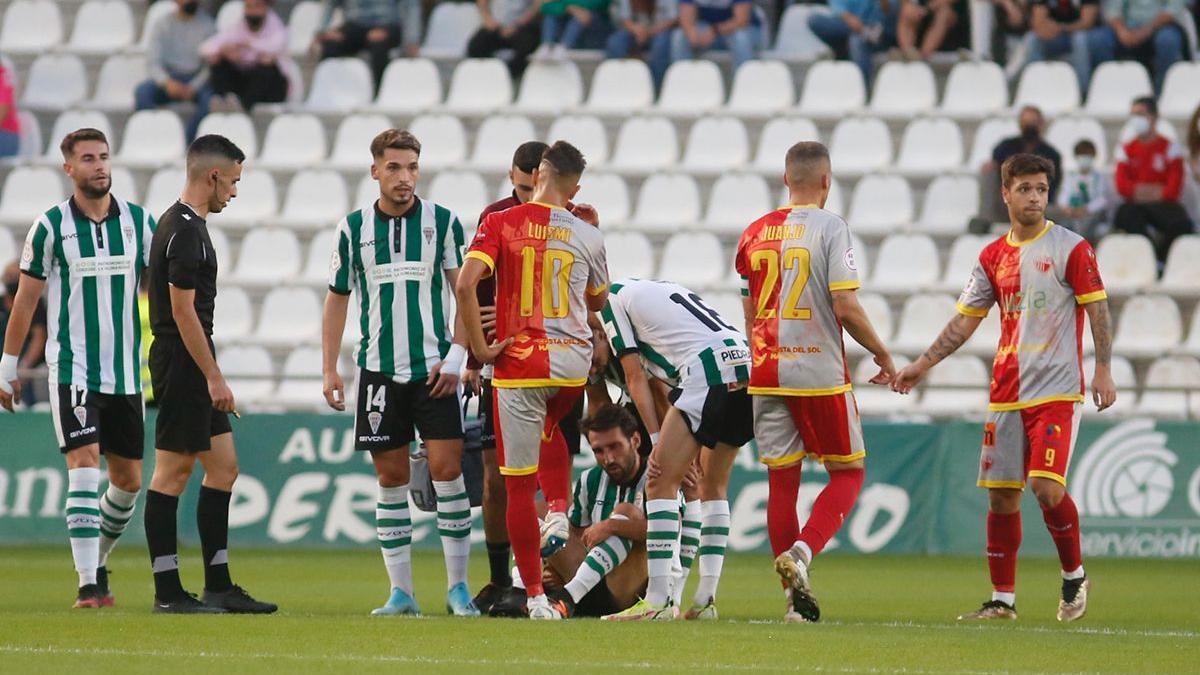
[587, 213]
[887, 370]
[908, 377]
[335, 391]
[493, 350]
[221, 395]
[1104, 390]
[473, 379]
[445, 383]
[10, 394]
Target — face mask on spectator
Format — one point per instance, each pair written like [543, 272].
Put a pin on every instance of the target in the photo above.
[1140, 124]
[255, 22]
[190, 8]
[1085, 162]
[1030, 132]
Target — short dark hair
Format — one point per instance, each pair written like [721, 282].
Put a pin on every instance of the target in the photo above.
[565, 159]
[1025, 164]
[78, 136]
[215, 145]
[529, 155]
[1149, 102]
[1084, 145]
[803, 157]
[395, 139]
[610, 416]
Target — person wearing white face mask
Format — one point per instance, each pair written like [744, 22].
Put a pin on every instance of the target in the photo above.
[1083, 197]
[1150, 180]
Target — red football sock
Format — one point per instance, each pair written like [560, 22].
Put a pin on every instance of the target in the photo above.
[831, 508]
[1063, 523]
[1003, 540]
[554, 472]
[523, 531]
[783, 525]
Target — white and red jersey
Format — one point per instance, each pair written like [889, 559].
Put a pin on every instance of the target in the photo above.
[1041, 286]
[790, 261]
[546, 261]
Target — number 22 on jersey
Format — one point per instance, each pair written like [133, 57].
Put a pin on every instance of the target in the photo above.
[768, 261]
[556, 280]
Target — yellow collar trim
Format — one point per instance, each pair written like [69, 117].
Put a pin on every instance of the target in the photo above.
[1018, 244]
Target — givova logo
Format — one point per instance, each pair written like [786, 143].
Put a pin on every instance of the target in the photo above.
[1127, 472]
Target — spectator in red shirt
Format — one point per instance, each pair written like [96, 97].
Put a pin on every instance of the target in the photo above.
[10, 124]
[1150, 180]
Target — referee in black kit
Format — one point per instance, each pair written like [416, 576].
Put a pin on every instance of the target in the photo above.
[194, 401]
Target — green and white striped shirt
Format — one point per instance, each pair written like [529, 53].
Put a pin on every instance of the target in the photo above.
[397, 266]
[92, 271]
[596, 496]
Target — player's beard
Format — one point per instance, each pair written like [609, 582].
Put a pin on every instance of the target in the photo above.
[93, 189]
[1029, 218]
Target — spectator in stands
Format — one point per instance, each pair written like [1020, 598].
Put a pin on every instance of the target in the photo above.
[247, 59]
[1061, 27]
[177, 72]
[1149, 180]
[1192, 202]
[1032, 125]
[33, 352]
[374, 26]
[644, 27]
[929, 22]
[10, 122]
[568, 24]
[1149, 31]
[506, 24]
[1010, 25]
[857, 29]
[717, 24]
[1083, 198]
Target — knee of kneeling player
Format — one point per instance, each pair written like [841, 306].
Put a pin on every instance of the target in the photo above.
[1048, 492]
[627, 511]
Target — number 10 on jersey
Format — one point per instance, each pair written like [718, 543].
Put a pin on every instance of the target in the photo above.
[556, 280]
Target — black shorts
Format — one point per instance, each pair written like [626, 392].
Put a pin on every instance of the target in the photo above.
[389, 413]
[83, 417]
[569, 424]
[598, 602]
[187, 420]
[716, 414]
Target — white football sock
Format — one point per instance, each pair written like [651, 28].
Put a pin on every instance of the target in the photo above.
[662, 539]
[714, 535]
[116, 508]
[83, 521]
[393, 524]
[1074, 574]
[689, 542]
[1009, 599]
[454, 526]
[600, 561]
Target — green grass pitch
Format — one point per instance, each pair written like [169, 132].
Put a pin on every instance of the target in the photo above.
[882, 614]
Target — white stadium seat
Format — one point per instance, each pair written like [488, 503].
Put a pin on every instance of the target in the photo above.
[70, 120]
[289, 316]
[950, 203]
[124, 186]
[352, 144]
[233, 317]
[691, 88]
[1065, 132]
[119, 76]
[862, 255]
[229, 14]
[164, 188]
[409, 86]
[102, 27]
[975, 89]
[496, 138]
[1149, 325]
[267, 256]
[929, 147]
[904, 89]
[960, 262]
[320, 253]
[1168, 385]
[257, 202]
[794, 39]
[906, 263]
[340, 85]
[629, 255]
[986, 338]
[315, 199]
[28, 192]
[880, 313]
[301, 383]
[1113, 87]
[443, 140]
[957, 386]
[30, 26]
[237, 127]
[1127, 387]
[1181, 91]
[1049, 85]
[8, 246]
[734, 201]
[728, 305]
[479, 86]
[833, 89]
[156, 10]
[761, 89]
[609, 194]
[778, 134]
[716, 145]
[302, 25]
[55, 82]
[860, 145]
[668, 202]
[293, 141]
[694, 260]
[876, 401]
[987, 135]
[1181, 275]
[249, 370]
[366, 193]
[880, 205]
[1192, 345]
[646, 144]
[463, 192]
[451, 25]
[220, 243]
[621, 86]
[584, 132]
[923, 318]
[29, 145]
[550, 87]
[1128, 262]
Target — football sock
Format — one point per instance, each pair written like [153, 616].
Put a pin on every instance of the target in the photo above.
[662, 535]
[831, 507]
[161, 539]
[516, 579]
[1003, 540]
[554, 471]
[393, 526]
[454, 526]
[212, 519]
[714, 534]
[1063, 523]
[523, 531]
[116, 508]
[601, 560]
[689, 543]
[83, 521]
[783, 490]
[498, 555]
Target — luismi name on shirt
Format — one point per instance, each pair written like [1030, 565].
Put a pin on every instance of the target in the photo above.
[106, 266]
[390, 273]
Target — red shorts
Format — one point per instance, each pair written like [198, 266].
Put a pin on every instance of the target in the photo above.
[1032, 442]
[827, 428]
[525, 417]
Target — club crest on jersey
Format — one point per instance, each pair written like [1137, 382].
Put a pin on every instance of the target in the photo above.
[1044, 264]
[27, 253]
[428, 233]
[374, 418]
[81, 415]
[128, 232]
[848, 259]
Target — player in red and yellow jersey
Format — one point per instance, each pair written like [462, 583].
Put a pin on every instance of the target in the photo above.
[1044, 279]
[550, 274]
[799, 291]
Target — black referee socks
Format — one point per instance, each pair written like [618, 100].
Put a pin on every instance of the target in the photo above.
[498, 561]
[212, 519]
[161, 538]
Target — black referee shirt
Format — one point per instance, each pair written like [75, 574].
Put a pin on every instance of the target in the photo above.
[181, 254]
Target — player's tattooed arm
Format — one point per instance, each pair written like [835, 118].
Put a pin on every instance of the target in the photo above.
[956, 332]
[1101, 321]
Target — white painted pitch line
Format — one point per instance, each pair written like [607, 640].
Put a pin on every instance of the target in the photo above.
[1081, 630]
